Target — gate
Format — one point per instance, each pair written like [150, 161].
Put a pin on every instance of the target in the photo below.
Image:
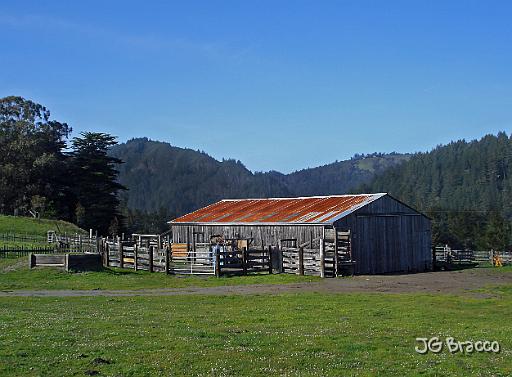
[200, 261]
[327, 258]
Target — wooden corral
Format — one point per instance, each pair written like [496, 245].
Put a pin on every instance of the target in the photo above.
[206, 259]
[364, 234]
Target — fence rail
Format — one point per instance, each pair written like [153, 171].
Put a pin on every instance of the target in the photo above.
[444, 255]
[21, 251]
[17, 237]
[64, 245]
[179, 259]
[231, 256]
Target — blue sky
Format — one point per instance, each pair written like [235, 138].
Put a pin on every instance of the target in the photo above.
[279, 85]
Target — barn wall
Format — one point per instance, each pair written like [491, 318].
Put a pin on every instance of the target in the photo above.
[388, 236]
[262, 234]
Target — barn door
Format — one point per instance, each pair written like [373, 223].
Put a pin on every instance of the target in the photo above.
[378, 244]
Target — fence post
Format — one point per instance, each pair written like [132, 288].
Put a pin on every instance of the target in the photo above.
[301, 261]
[244, 260]
[281, 258]
[167, 258]
[150, 252]
[31, 260]
[107, 254]
[270, 259]
[121, 256]
[322, 258]
[335, 252]
[135, 255]
[217, 262]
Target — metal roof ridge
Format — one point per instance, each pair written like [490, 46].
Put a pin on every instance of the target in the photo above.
[380, 194]
[371, 199]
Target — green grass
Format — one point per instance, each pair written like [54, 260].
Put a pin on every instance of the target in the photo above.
[24, 244]
[115, 278]
[290, 335]
[29, 226]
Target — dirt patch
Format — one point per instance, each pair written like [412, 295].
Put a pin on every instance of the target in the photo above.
[442, 282]
[452, 282]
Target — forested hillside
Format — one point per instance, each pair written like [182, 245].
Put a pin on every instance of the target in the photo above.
[341, 176]
[466, 187]
[160, 176]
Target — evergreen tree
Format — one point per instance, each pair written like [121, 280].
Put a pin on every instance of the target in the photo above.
[96, 186]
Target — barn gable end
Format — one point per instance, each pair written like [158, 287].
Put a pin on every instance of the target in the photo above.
[389, 236]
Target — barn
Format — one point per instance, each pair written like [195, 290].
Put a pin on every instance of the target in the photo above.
[365, 233]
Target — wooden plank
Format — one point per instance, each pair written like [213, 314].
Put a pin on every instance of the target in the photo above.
[120, 248]
[322, 258]
[167, 259]
[217, 262]
[301, 261]
[150, 259]
[135, 257]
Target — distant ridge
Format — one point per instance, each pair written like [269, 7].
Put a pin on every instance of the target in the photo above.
[159, 175]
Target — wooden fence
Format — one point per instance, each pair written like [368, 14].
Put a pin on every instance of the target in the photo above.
[21, 237]
[123, 255]
[329, 259]
[8, 251]
[445, 256]
[47, 245]
[242, 261]
[203, 259]
[156, 254]
[22, 251]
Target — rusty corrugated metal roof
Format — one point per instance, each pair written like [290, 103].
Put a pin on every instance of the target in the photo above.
[305, 210]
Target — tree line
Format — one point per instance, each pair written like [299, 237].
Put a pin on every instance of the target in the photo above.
[45, 172]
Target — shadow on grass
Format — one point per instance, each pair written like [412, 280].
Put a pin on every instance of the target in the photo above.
[119, 272]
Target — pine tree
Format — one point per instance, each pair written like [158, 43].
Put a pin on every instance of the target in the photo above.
[95, 177]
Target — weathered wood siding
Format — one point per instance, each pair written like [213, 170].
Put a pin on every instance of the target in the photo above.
[84, 262]
[388, 236]
[261, 234]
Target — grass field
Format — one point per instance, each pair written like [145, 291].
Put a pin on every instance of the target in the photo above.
[26, 226]
[20, 277]
[292, 335]
[289, 334]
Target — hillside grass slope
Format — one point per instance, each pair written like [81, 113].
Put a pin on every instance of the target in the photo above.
[36, 227]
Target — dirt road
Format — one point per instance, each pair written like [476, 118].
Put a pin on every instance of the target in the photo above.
[453, 282]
